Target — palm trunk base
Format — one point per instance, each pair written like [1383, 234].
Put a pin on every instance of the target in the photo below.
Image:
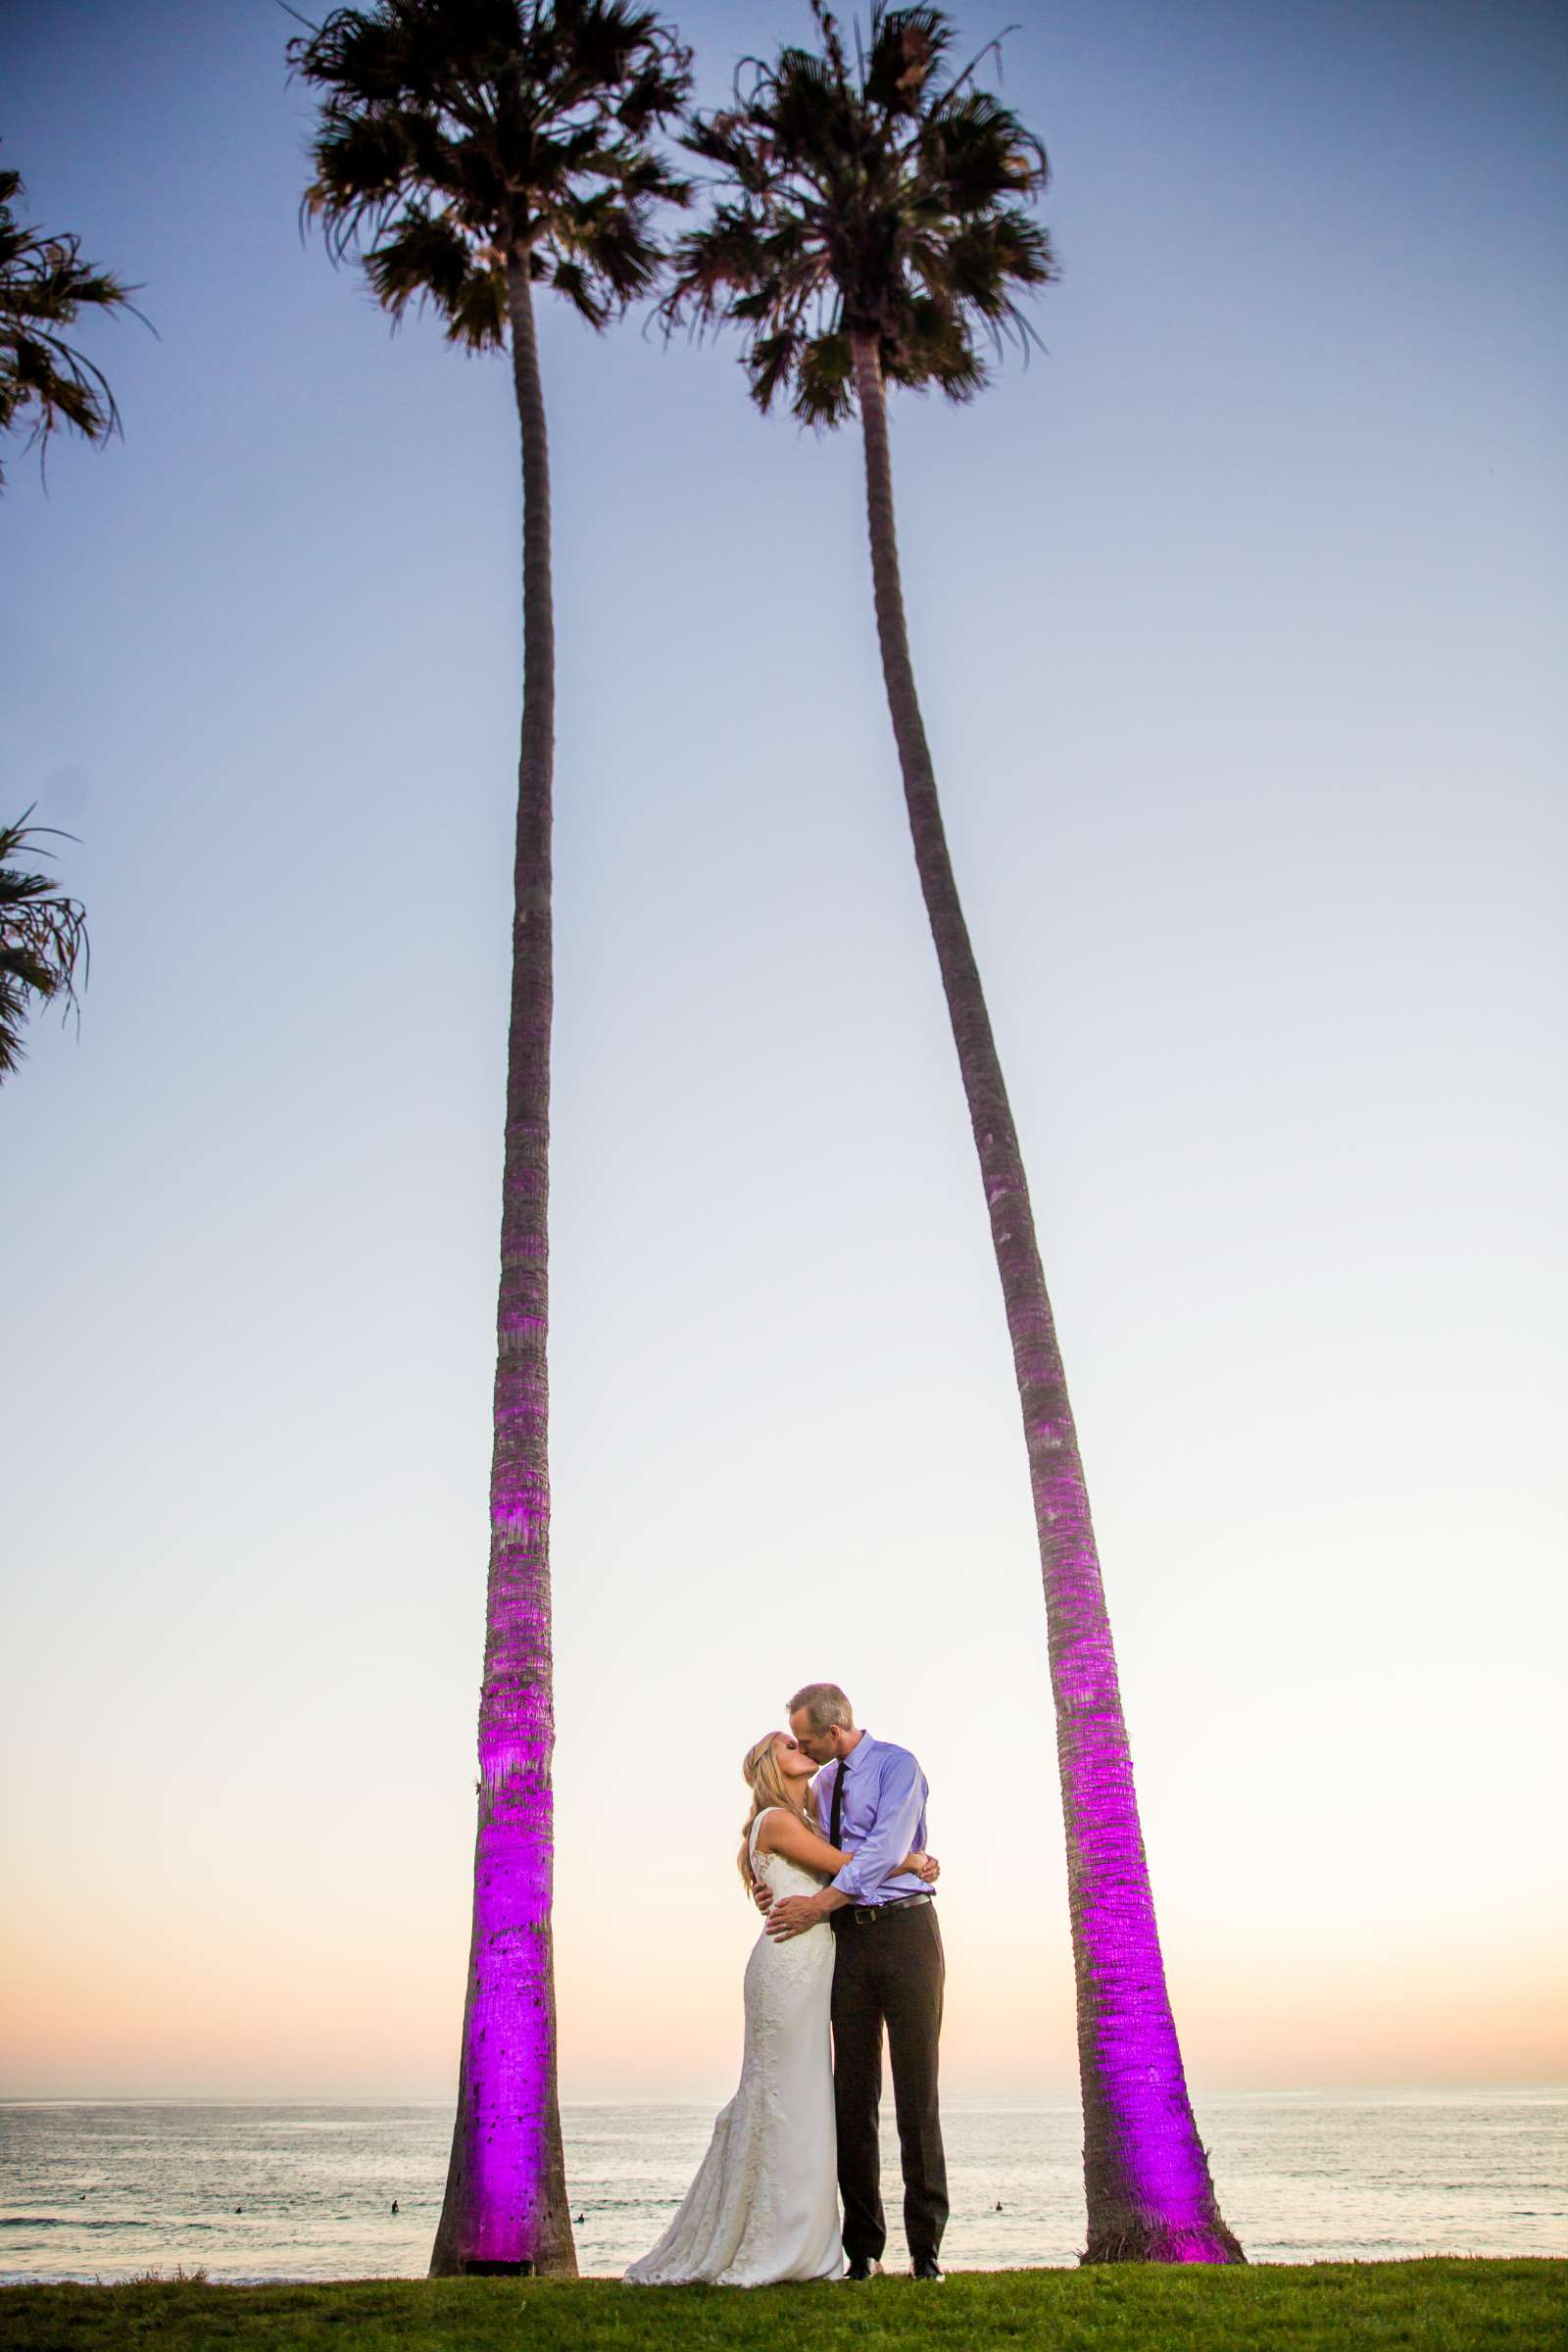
[1160, 2242]
[559, 2262]
[467, 2218]
[560, 2267]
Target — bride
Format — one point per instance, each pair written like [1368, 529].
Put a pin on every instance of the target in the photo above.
[763, 2207]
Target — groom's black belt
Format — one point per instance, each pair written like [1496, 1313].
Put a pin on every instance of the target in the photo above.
[867, 1914]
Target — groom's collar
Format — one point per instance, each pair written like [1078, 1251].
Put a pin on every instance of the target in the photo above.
[864, 1741]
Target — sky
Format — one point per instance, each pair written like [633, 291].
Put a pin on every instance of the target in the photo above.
[1233, 614]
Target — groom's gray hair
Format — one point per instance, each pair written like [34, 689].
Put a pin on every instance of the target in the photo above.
[824, 1705]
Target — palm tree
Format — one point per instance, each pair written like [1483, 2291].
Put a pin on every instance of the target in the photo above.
[474, 150]
[42, 934]
[871, 222]
[44, 283]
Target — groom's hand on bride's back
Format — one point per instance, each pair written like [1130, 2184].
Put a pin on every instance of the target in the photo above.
[797, 1913]
[761, 1896]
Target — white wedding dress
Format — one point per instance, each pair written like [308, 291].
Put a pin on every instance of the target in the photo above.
[765, 2206]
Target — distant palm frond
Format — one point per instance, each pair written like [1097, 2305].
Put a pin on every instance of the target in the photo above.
[44, 285]
[42, 936]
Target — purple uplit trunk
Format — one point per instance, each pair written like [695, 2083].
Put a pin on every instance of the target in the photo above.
[1145, 2172]
[506, 2203]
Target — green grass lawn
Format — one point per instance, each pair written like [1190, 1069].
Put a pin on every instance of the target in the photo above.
[1440, 2305]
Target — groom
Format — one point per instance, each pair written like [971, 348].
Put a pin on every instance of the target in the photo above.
[887, 1967]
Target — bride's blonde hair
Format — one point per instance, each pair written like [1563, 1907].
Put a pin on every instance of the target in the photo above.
[769, 1786]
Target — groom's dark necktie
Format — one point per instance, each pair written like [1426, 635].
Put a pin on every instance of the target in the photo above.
[836, 1817]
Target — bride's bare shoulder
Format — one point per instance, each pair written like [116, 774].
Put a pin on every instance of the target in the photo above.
[780, 1830]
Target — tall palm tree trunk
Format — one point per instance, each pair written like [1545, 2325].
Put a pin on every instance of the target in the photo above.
[1145, 2172]
[506, 2203]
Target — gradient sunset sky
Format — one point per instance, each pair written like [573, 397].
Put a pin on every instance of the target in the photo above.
[1235, 617]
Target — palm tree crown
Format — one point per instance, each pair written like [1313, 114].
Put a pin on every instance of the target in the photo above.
[886, 198]
[457, 133]
[44, 283]
[42, 934]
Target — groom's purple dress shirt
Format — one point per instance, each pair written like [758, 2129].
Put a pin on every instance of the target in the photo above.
[883, 1819]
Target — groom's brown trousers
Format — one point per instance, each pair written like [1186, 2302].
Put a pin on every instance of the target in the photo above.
[889, 1970]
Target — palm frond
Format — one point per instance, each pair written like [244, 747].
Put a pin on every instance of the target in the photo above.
[45, 286]
[935, 348]
[824, 380]
[907, 47]
[422, 257]
[771, 361]
[43, 935]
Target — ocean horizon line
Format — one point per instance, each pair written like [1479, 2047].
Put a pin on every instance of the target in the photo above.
[974, 2101]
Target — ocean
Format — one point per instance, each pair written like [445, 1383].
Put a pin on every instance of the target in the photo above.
[247, 2192]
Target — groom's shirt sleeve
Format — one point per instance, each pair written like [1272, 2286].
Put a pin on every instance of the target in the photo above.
[901, 1797]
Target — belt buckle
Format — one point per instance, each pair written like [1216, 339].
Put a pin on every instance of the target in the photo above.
[866, 1915]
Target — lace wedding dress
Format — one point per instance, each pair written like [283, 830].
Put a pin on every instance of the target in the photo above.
[763, 2206]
